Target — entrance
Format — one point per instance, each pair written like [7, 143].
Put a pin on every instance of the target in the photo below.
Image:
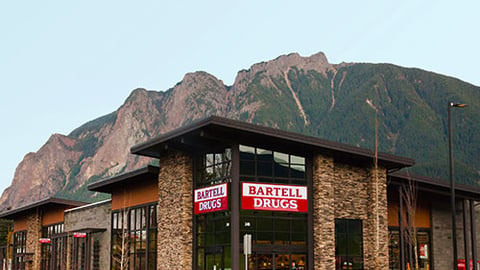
[214, 258]
[277, 261]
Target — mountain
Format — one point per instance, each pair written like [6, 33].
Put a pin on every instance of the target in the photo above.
[339, 102]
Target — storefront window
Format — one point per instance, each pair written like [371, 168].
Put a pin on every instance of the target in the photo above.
[348, 244]
[213, 236]
[54, 253]
[19, 249]
[134, 238]
[279, 237]
[422, 255]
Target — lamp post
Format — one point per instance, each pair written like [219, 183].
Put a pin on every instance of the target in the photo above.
[452, 183]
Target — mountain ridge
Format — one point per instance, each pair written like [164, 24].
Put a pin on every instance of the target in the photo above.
[337, 102]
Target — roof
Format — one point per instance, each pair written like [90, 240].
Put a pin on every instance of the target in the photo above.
[52, 201]
[435, 185]
[216, 132]
[107, 185]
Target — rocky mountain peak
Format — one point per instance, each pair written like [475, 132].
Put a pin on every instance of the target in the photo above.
[280, 93]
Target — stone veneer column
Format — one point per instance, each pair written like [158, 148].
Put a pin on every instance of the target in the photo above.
[375, 229]
[323, 213]
[34, 232]
[174, 243]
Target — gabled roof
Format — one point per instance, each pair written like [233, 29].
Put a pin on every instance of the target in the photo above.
[52, 201]
[107, 185]
[216, 132]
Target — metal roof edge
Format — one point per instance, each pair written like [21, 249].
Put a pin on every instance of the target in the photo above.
[121, 177]
[42, 202]
[268, 131]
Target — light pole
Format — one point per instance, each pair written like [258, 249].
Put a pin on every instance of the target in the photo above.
[452, 183]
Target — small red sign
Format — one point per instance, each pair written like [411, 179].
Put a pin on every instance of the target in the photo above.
[211, 199]
[273, 197]
[44, 240]
[79, 235]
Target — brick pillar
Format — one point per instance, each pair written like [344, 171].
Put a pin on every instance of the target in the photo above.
[174, 244]
[323, 213]
[34, 233]
[375, 229]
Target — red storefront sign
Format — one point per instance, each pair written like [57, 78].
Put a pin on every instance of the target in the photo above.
[44, 240]
[273, 197]
[211, 199]
[79, 235]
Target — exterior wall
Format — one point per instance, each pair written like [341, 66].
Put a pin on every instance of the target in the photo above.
[341, 191]
[95, 216]
[34, 232]
[442, 233]
[133, 195]
[53, 216]
[375, 230]
[422, 215]
[323, 213]
[175, 210]
[20, 224]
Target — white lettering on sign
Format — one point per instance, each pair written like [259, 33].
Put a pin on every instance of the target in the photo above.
[209, 199]
[273, 197]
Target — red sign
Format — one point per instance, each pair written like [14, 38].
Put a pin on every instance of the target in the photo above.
[211, 199]
[79, 235]
[423, 251]
[44, 240]
[273, 197]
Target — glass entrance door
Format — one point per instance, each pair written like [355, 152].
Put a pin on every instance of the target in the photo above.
[214, 258]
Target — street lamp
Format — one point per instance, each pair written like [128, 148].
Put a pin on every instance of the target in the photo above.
[452, 182]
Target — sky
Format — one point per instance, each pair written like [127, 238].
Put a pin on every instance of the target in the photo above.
[64, 63]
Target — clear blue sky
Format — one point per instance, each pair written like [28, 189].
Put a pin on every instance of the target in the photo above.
[63, 63]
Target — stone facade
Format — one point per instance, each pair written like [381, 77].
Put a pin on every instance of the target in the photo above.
[323, 213]
[349, 192]
[93, 216]
[175, 188]
[33, 248]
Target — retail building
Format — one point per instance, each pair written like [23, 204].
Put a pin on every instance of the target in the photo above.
[224, 188]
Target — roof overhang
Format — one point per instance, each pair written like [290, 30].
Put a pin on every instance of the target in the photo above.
[217, 132]
[435, 186]
[147, 173]
[11, 214]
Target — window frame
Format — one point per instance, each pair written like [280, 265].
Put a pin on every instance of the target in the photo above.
[146, 230]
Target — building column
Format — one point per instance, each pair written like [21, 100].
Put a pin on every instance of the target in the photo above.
[323, 213]
[375, 229]
[175, 210]
[33, 248]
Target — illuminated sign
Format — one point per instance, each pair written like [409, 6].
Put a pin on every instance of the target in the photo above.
[79, 235]
[44, 240]
[273, 197]
[211, 199]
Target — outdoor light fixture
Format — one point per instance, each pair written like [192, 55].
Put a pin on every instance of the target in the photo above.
[452, 182]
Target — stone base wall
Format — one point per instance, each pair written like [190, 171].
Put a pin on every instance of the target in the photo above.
[349, 192]
[33, 248]
[175, 210]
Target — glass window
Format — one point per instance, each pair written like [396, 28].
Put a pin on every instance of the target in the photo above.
[134, 240]
[19, 249]
[348, 244]
[271, 166]
[215, 168]
[213, 237]
[423, 249]
[53, 255]
[274, 231]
